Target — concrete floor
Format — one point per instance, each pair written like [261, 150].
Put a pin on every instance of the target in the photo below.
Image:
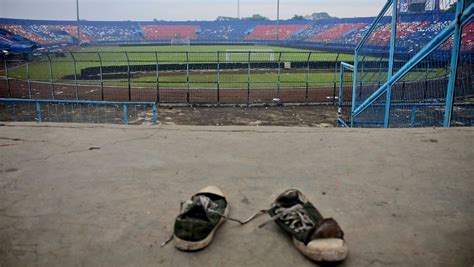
[107, 196]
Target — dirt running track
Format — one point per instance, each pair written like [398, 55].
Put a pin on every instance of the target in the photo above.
[20, 89]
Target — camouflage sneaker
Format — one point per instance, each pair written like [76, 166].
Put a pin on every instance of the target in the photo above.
[199, 219]
[317, 238]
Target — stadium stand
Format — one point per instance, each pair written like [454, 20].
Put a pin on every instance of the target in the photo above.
[168, 32]
[309, 31]
[337, 32]
[113, 33]
[224, 32]
[21, 31]
[413, 32]
[270, 32]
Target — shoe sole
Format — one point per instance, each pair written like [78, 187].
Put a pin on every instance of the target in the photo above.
[185, 245]
[327, 249]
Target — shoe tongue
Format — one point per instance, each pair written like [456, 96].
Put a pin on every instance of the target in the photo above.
[196, 210]
[289, 198]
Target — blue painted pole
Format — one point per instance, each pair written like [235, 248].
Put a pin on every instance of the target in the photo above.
[125, 114]
[38, 111]
[393, 36]
[356, 55]
[339, 101]
[154, 114]
[444, 35]
[413, 117]
[354, 86]
[454, 64]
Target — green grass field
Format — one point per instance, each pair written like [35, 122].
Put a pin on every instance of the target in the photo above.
[63, 69]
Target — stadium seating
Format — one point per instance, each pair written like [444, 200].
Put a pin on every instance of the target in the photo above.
[337, 32]
[404, 31]
[270, 32]
[21, 31]
[168, 32]
[413, 32]
[113, 33]
[224, 32]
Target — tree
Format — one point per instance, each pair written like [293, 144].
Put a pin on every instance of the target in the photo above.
[298, 17]
[224, 18]
[319, 15]
[256, 17]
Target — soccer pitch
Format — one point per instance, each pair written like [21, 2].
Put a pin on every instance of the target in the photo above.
[192, 67]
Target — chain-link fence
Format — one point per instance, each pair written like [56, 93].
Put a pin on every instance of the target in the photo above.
[231, 76]
[430, 84]
[73, 111]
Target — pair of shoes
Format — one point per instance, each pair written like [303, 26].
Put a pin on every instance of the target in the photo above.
[316, 237]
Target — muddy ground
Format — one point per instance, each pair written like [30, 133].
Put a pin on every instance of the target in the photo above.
[303, 116]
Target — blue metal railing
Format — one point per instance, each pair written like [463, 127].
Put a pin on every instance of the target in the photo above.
[40, 110]
[463, 16]
[340, 119]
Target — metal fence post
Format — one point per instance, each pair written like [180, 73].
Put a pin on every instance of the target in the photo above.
[101, 77]
[125, 114]
[393, 36]
[307, 77]
[154, 114]
[335, 80]
[38, 111]
[187, 76]
[218, 76]
[51, 76]
[75, 75]
[426, 79]
[341, 92]
[248, 80]
[413, 117]
[279, 76]
[354, 84]
[157, 78]
[129, 78]
[30, 94]
[454, 65]
[8, 80]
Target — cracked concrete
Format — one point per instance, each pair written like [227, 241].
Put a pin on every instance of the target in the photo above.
[107, 195]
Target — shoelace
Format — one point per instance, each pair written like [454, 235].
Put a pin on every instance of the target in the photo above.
[295, 217]
[209, 206]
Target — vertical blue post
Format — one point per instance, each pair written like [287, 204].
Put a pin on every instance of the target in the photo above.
[154, 114]
[187, 77]
[341, 84]
[413, 117]
[51, 76]
[393, 36]
[101, 77]
[129, 78]
[38, 111]
[454, 64]
[125, 114]
[8, 80]
[356, 54]
[75, 75]
[218, 76]
[354, 84]
[30, 94]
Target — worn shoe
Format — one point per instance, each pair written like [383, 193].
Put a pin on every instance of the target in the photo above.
[317, 238]
[199, 219]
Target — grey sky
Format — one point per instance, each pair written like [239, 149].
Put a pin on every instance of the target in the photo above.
[181, 9]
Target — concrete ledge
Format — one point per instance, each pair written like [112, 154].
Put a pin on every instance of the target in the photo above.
[99, 195]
